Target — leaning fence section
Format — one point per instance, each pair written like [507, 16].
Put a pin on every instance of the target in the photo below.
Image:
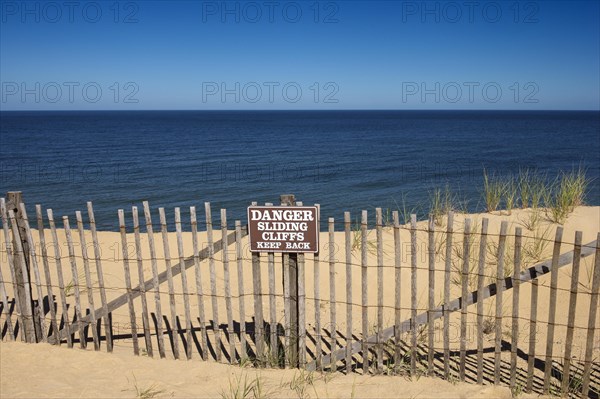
[457, 296]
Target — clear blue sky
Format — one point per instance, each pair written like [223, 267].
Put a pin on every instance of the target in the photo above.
[300, 55]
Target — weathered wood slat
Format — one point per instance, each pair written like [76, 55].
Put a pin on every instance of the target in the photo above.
[241, 292]
[498, 316]
[464, 279]
[480, 285]
[61, 281]
[100, 274]
[6, 309]
[397, 289]
[490, 290]
[36, 275]
[365, 298]
[552, 309]
[301, 311]
[348, 245]
[213, 281]
[431, 296]
[46, 265]
[75, 276]
[259, 333]
[227, 283]
[589, 347]
[125, 254]
[286, 307]
[532, 334]
[413, 294]
[379, 237]
[332, 301]
[446, 307]
[199, 290]
[172, 303]
[184, 284]
[572, 311]
[160, 333]
[88, 280]
[317, 302]
[272, 304]
[11, 264]
[142, 287]
[516, 282]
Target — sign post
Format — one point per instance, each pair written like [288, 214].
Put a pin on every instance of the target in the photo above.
[287, 229]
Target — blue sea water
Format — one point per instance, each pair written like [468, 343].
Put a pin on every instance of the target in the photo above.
[343, 160]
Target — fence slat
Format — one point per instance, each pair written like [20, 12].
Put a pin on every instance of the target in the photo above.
[398, 291]
[552, 309]
[480, 285]
[572, 311]
[199, 291]
[6, 309]
[88, 281]
[125, 252]
[413, 295]
[61, 281]
[431, 301]
[36, 275]
[348, 245]
[332, 301]
[100, 273]
[365, 298]
[184, 285]
[259, 337]
[286, 306]
[532, 333]
[499, 290]
[227, 282]
[516, 283]
[156, 288]
[74, 275]
[172, 304]
[463, 302]
[11, 266]
[142, 286]
[447, 271]
[301, 311]
[213, 280]
[379, 237]
[589, 347]
[272, 306]
[241, 292]
[46, 265]
[317, 301]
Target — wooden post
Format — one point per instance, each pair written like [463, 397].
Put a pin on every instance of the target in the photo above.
[431, 302]
[365, 285]
[572, 311]
[332, 301]
[11, 265]
[480, 285]
[167, 255]
[61, 281]
[107, 327]
[379, 235]
[552, 308]
[241, 292]
[125, 252]
[516, 281]
[317, 290]
[463, 302]
[75, 276]
[213, 280]
[160, 333]
[88, 280]
[499, 290]
[290, 200]
[199, 290]
[589, 347]
[21, 265]
[447, 271]
[348, 244]
[142, 286]
[413, 295]
[184, 286]
[398, 291]
[49, 290]
[226, 281]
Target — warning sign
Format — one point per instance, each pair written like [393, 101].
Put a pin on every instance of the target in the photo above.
[283, 229]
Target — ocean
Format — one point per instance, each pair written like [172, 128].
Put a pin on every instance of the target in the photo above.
[342, 160]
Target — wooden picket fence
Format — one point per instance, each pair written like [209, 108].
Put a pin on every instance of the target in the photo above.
[73, 300]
